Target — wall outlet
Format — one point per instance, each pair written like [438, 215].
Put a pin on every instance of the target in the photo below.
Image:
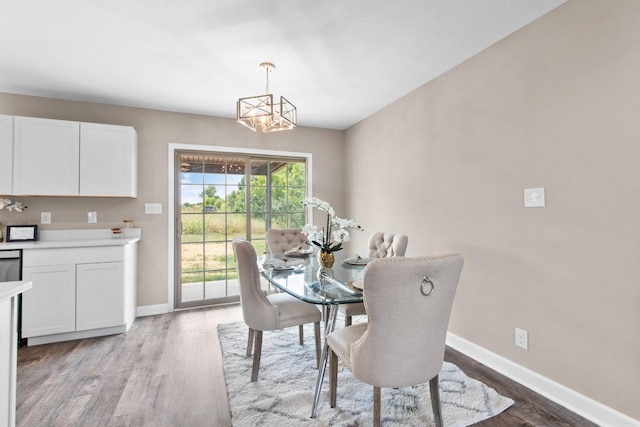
[92, 217]
[522, 339]
[534, 198]
[45, 217]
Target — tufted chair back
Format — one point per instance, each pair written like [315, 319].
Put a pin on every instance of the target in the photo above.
[386, 245]
[280, 240]
[403, 342]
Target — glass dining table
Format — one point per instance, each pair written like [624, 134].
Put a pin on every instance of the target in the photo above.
[303, 278]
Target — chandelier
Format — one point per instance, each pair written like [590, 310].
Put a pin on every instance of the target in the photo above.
[259, 112]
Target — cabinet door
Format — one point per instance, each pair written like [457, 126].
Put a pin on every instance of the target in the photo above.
[49, 307]
[108, 160]
[6, 155]
[46, 157]
[100, 293]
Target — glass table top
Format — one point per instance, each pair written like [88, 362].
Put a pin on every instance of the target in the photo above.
[303, 278]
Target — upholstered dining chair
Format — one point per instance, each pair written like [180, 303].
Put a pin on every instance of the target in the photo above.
[280, 240]
[262, 312]
[408, 302]
[381, 245]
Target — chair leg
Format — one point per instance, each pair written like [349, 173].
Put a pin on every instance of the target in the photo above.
[333, 377]
[316, 332]
[250, 343]
[301, 333]
[256, 356]
[434, 389]
[347, 320]
[376, 406]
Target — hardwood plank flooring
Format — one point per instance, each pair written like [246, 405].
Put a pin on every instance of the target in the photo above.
[167, 372]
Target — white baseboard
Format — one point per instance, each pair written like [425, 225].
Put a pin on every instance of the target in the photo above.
[570, 399]
[151, 310]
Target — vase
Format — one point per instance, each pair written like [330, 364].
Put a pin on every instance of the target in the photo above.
[326, 259]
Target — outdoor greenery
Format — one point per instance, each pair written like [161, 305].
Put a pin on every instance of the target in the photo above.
[208, 227]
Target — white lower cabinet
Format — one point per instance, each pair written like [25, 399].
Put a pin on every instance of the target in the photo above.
[79, 293]
[99, 295]
[50, 306]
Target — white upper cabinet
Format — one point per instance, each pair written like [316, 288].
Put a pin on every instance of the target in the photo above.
[6, 155]
[108, 160]
[46, 157]
[66, 158]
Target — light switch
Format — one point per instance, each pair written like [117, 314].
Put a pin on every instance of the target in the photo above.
[92, 217]
[45, 217]
[153, 208]
[534, 198]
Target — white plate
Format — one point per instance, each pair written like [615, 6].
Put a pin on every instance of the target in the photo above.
[299, 252]
[358, 261]
[356, 284]
[281, 265]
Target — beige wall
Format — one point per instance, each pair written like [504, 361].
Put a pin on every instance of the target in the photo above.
[156, 130]
[556, 105]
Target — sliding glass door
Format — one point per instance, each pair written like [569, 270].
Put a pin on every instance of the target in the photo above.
[222, 196]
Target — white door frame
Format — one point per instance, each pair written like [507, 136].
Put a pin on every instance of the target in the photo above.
[173, 147]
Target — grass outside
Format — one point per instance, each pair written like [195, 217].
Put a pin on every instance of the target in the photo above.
[207, 252]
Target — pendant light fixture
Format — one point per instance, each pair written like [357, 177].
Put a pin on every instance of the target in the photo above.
[259, 112]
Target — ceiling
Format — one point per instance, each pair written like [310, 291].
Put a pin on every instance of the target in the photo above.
[338, 61]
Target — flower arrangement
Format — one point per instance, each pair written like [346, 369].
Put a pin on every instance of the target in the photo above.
[11, 206]
[328, 239]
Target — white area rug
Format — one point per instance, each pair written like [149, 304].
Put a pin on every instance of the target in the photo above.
[283, 394]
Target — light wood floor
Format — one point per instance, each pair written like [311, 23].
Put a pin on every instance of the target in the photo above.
[167, 372]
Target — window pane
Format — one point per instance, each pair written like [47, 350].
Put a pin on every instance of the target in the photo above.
[295, 199]
[279, 221]
[192, 257]
[298, 220]
[190, 195]
[212, 198]
[236, 226]
[296, 174]
[258, 200]
[278, 199]
[216, 285]
[214, 227]
[192, 277]
[192, 228]
[231, 261]
[258, 224]
[216, 255]
[214, 170]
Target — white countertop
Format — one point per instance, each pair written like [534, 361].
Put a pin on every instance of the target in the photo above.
[11, 289]
[74, 239]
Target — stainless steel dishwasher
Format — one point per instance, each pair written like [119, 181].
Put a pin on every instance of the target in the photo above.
[10, 271]
[10, 265]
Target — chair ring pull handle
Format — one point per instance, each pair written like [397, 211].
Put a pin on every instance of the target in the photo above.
[426, 281]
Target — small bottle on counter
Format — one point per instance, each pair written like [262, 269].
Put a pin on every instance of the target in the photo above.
[128, 227]
[116, 232]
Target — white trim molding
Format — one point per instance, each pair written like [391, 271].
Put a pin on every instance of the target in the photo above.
[562, 395]
[152, 310]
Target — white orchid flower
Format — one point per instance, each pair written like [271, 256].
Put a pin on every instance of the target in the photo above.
[11, 206]
[341, 236]
[328, 240]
